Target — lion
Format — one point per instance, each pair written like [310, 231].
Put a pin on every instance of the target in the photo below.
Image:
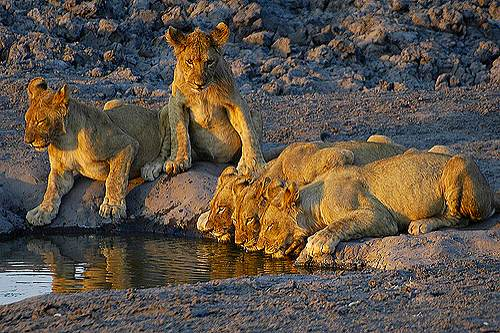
[417, 193]
[309, 160]
[209, 120]
[109, 146]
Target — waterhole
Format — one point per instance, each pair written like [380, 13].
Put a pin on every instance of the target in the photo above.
[66, 264]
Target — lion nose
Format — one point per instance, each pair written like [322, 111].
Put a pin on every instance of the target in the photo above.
[28, 138]
[199, 83]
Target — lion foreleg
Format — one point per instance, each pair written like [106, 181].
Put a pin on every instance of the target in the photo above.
[114, 204]
[59, 183]
[251, 154]
[150, 171]
[359, 223]
[180, 154]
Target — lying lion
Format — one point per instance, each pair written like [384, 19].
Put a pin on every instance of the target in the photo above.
[299, 162]
[415, 192]
[109, 146]
[209, 120]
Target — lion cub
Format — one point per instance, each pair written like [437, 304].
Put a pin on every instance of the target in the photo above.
[108, 146]
[415, 192]
[209, 120]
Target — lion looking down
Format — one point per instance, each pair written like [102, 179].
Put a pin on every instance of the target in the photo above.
[108, 146]
[415, 192]
[209, 119]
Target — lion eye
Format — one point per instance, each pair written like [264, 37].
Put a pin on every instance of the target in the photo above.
[189, 62]
[221, 210]
[40, 122]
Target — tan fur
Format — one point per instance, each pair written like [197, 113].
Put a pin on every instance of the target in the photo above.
[418, 192]
[107, 146]
[300, 162]
[209, 119]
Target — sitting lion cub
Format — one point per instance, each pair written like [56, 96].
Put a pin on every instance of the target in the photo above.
[300, 162]
[108, 146]
[208, 118]
[418, 192]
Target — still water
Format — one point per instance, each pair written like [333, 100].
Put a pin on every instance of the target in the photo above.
[62, 264]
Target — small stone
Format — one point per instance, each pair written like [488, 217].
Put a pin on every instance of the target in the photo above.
[282, 46]
[262, 38]
[107, 27]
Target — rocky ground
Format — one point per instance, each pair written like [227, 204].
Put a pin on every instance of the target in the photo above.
[282, 47]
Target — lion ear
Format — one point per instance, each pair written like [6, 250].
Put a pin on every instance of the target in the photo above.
[61, 96]
[35, 86]
[291, 195]
[263, 186]
[175, 38]
[220, 34]
[239, 185]
[273, 189]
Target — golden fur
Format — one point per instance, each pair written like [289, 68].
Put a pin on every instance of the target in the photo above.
[107, 146]
[300, 162]
[209, 120]
[418, 193]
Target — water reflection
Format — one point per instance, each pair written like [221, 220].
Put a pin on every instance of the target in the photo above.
[31, 266]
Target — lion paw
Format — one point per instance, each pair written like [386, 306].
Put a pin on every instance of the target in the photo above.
[249, 168]
[318, 245]
[151, 171]
[419, 227]
[173, 168]
[39, 216]
[115, 211]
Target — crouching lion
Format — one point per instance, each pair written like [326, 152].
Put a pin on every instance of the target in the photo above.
[108, 146]
[417, 192]
[209, 119]
[300, 162]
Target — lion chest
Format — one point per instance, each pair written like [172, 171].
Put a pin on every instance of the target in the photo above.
[81, 162]
[212, 135]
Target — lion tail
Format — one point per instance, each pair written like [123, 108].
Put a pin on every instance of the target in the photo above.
[112, 104]
[466, 190]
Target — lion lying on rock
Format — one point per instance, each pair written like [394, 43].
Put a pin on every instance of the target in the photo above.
[109, 146]
[209, 120]
[299, 162]
[414, 192]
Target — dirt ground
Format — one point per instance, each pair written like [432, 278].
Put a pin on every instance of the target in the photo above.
[452, 298]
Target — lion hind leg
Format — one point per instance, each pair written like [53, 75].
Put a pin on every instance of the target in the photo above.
[320, 247]
[424, 226]
[466, 191]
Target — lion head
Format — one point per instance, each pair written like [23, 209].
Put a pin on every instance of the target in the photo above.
[200, 64]
[45, 118]
[218, 221]
[250, 204]
[278, 224]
